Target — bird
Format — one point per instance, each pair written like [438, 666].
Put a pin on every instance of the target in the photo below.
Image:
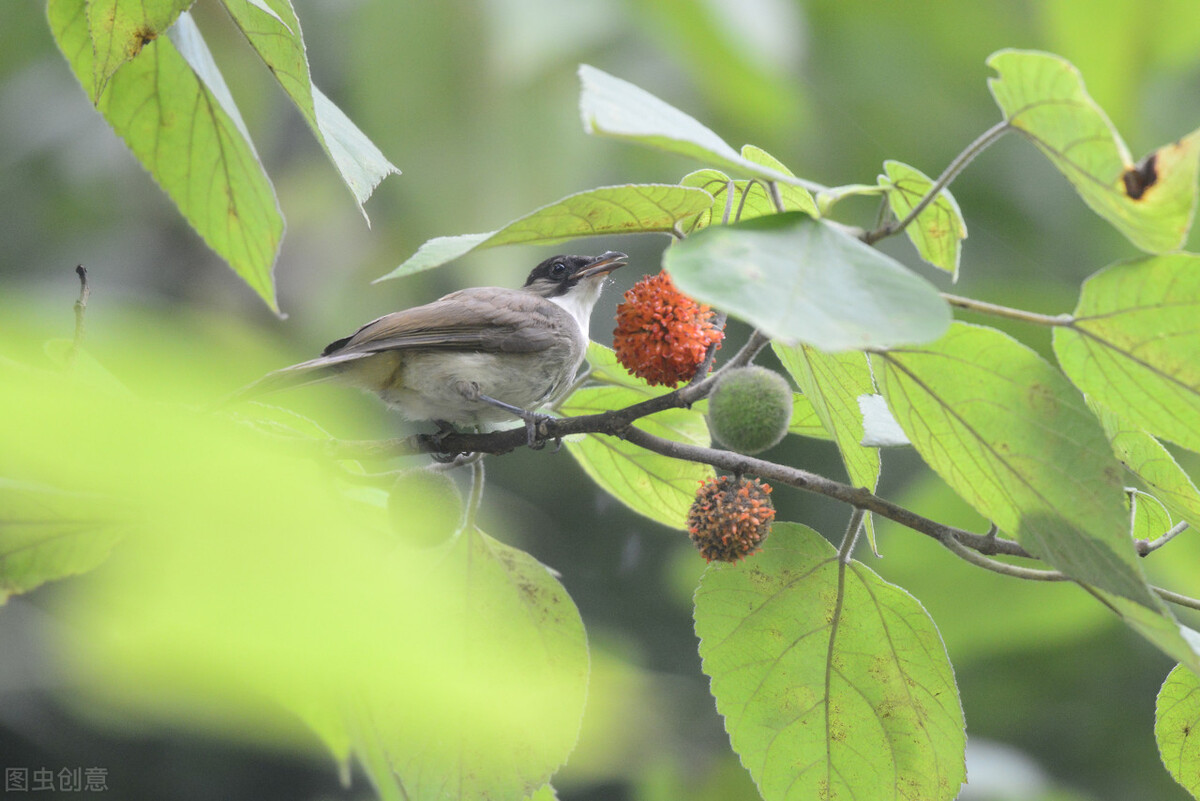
[473, 358]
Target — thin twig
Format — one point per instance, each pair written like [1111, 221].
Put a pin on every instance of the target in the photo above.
[1145, 547]
[1176, 598]
[85, 292]
[997, 310]
[476, 496]
[952, 170]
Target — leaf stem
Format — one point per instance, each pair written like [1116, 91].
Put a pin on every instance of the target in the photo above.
[846, 550]
[996, 310]
[85, 292]
[981, 143]
[1145, 547]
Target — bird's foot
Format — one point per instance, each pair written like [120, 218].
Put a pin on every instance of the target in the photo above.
[440, 453]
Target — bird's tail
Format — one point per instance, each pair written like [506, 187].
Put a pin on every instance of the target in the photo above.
[313, 371]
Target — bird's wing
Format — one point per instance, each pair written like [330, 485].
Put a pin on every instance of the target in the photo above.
[479, 319]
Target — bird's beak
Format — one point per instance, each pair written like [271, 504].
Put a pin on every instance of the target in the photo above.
[604, 264]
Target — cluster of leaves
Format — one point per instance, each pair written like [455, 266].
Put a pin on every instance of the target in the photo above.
[833, 683]
[146, 68]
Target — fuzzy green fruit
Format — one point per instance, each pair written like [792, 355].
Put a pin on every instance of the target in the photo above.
[425, 507]
[750, 409]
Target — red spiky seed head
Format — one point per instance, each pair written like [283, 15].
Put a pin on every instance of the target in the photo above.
[730, 517]
[662, 335]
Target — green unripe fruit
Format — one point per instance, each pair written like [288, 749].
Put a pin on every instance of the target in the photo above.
[425, 507]
[750, 409]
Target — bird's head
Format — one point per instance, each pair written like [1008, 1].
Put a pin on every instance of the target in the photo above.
[560, 276]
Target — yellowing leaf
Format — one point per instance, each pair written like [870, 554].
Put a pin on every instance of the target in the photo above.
[1152, 202]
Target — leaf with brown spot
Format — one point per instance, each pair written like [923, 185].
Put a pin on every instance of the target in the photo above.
[1152, 202]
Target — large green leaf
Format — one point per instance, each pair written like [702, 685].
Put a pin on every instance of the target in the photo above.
[834, 383]
[273, 31]
[799, 280]
[254, 594]
[1177, 727]
[653, 485]
[1146, 458]
[1151, 202]
[48, 534]
[939, 230]
[617, 108]
[119, 29]
[175, 113]
[632, 208]
[1134, 344]
[1015, 440]
[833, 683]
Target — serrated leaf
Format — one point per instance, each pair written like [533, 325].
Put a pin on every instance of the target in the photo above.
[119, 29]
[188, 135]
[628, 209]
[834, 382]
[650, 484]
[1152, 202]
[1146, 458]
[48, 534]
[799, 280]
[613, 107]
[939, 230]
[1134, 344]
[833, 683]
[1011, 436]
[1177, 727]
[273, 30]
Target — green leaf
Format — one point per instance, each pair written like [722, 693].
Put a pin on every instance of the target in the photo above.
[512, 608]
[1152, 202]
[189, 136]
[939, 230]
[119, 29]
[604, 368]
[273, 31]
[833, 683]
[801, 281]
[650, 484]
[1146, 458]
[1134, 344]
[628, 209]
[617, 108]
[463, 668]
[834, 383]
[805, 420]
[1177, 727]
[1158, 626]
[795, 198]
[48, 534]
[741, 200]
[1007, 432]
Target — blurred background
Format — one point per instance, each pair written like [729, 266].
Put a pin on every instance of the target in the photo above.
[476, 102]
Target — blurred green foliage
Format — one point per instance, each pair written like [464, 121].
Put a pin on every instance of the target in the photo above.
[477, 103]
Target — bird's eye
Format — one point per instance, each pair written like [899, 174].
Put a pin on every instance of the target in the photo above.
[557, 269]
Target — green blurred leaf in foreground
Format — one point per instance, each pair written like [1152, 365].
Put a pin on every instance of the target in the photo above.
[175, 113]
[255, 593]
[833, 683]
[1177, 727]
[1151, 202]
[1010, 435]
[799, 280]
[608, 210]
[1134, 344]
